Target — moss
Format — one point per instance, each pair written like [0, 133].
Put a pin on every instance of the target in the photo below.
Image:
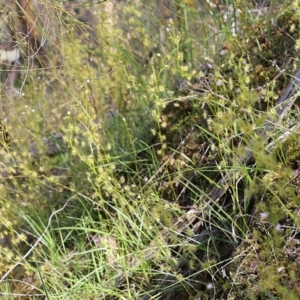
[288, 151]
[264, 269]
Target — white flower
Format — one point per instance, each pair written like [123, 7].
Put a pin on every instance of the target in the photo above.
[209, 286]
[264, 215]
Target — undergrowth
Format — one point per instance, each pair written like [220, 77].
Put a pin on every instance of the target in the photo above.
[149, 108]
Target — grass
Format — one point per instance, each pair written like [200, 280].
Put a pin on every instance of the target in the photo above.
[151, 196]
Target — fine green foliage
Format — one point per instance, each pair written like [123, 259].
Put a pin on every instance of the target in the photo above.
[113, 151]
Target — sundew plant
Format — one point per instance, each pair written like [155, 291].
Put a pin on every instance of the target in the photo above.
[149, 150]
